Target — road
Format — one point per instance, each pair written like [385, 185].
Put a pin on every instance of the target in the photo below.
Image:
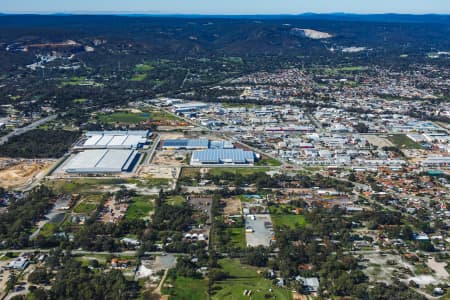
[22, 130]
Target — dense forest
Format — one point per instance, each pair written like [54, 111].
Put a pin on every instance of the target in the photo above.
[39, 143]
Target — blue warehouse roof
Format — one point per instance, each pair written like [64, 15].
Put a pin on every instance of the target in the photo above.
[218, 156]
[186, 143]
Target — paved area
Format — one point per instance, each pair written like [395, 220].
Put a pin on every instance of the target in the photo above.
[262, 230]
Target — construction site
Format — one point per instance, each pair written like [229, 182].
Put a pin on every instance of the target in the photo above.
[16, 173]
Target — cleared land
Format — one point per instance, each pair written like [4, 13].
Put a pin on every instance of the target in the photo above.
[243, 277]
[232, 207]
[140, 208]
[183, 288]
[402, 141]
[22, 172]
[281, 216]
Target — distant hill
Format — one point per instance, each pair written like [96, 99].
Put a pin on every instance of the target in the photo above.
[238, 35]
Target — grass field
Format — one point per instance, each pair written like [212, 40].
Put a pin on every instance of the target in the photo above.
[186, 288]
[145, 67]
[291, 221]
[48, 229]
[139, 208]
[281, 216]
[123, 117]
[268, 162]
[402, 141]
[85, 207]
[138, 77]
[237, 237]
[175, 200]
[244, 277]
[159, 115]
[242, 171]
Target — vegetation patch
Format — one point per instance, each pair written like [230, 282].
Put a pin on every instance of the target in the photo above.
[402, 141]
[243, 277]
[175, 200]
[123, 117]
[39, 143]
[186, 288]
[139, 208]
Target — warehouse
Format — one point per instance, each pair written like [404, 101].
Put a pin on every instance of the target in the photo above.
[187, 144]
[100, 161]
[114, 139]
[223, 156]
[189, 107]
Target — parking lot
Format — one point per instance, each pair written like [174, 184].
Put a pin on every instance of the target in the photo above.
[262, 230]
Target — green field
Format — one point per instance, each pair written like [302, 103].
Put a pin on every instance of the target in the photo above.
[48, 229]
[402, 141]
[159, 115]
[175, 200]
[138, 77]
[139, 208]
[237, 237]
[145, 67]
[123, 117]
[290, 221]
[186, 288]
[243, 277]
[282, 216]
[243, 171]
[268, 162]
[85, 207]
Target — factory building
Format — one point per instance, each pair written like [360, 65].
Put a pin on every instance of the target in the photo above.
[223, 157]
[98, 161]
[186, 144]
[195, 144]
[189, 107]
[114, 139]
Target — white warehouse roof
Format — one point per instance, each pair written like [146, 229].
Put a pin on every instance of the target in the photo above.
[102, 161]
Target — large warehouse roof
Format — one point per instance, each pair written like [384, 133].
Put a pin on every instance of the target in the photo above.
[223, 156]
[115, 139]
[186, 144]
[102, 161]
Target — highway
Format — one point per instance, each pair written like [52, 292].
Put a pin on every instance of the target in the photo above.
[22, 130]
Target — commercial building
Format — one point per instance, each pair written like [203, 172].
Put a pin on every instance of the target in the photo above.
[223, 156]
[195, 144]
[114, 139]
[187, 144]
[189, 107]
[100, 161]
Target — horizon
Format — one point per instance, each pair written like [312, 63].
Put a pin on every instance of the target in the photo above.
[231, 7]
[156, 14]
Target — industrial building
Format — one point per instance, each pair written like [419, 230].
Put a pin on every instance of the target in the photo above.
[100, 161]
[114, 139]
[195, 144]
[189, 107]
[187, 144]
[223, 156]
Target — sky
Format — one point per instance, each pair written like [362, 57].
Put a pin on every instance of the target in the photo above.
[226, 6]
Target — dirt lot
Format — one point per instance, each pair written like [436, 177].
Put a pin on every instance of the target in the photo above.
[232, 207]
[168, 157]
[160, 172]
[15, 173]
[378, 141]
